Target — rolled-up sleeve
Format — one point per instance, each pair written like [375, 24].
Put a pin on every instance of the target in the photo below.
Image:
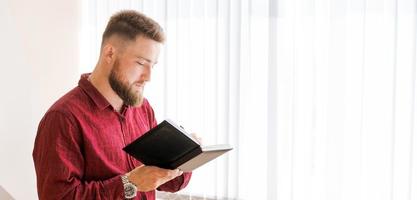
[176, 184]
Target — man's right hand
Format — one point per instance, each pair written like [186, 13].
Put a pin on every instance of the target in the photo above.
[148, 178]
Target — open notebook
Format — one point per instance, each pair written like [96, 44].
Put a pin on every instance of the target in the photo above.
[168, 146]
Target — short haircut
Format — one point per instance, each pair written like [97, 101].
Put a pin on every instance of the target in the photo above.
[128, 24]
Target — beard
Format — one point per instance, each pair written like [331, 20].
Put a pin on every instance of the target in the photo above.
[121, 86]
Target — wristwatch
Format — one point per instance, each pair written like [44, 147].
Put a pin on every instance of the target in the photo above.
[129, 188]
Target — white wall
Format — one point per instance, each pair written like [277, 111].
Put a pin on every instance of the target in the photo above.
[38, 64]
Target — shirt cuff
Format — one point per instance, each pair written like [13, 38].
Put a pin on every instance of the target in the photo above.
[176, 184]
[113, 187]
[186, 176]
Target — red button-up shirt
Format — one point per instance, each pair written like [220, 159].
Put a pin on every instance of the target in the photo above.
[78, 148]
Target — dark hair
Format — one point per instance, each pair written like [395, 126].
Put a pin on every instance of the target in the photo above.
[128, 24]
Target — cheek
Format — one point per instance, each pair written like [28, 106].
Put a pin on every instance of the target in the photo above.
[131, 74]
[135, 73]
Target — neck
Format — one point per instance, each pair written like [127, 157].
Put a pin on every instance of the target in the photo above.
[99, 79]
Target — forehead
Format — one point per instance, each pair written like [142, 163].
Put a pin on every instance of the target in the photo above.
[143, 47]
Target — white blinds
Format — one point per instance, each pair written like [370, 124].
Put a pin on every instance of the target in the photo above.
[316, 96]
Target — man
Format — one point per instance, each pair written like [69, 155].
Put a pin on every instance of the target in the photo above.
[78, 148]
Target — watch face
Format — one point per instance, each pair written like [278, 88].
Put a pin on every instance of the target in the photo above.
[130, 190]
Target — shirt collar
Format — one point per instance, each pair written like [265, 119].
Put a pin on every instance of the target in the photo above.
[92, 92]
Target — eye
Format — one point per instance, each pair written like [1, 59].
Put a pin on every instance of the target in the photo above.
[141, 63]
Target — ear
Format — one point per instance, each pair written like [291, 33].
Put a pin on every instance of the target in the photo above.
[108, 53]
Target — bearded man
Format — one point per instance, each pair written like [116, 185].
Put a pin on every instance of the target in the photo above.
[78, 148]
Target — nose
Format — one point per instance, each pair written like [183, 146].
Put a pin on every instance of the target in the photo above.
[147, 72]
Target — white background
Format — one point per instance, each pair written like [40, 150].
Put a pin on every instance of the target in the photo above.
[317, 97]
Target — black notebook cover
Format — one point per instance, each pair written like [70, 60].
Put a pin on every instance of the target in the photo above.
[166, 146]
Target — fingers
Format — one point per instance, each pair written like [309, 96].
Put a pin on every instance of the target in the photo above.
[174, 173]
[148, 178]
[166, 175]
[169, 174]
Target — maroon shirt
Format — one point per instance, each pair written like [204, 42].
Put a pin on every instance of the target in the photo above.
[78, 148]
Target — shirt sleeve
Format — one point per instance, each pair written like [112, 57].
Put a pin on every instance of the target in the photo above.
[176, 184]
[59, 163]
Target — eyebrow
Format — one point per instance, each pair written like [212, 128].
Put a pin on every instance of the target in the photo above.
[147, 60]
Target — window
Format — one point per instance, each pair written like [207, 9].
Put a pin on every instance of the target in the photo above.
[317, 97]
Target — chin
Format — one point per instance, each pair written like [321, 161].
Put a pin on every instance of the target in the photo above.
[139, 103]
